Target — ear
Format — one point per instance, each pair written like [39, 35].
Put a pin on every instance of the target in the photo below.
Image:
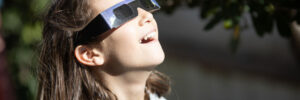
[89, 56]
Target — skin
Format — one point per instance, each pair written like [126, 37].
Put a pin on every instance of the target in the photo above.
[120, 61]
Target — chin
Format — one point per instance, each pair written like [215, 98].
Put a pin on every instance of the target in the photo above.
[159, 56]
[156, 59]
[161, 59]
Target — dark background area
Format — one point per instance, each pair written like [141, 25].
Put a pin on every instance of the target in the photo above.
[203, 67]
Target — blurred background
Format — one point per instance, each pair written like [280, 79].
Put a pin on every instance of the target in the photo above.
[215, 49]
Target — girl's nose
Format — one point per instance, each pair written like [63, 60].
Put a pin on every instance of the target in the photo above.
[145, 17]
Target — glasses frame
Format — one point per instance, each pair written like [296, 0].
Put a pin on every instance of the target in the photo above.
[115, 16]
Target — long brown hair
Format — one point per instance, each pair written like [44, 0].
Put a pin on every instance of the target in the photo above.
[60, 76]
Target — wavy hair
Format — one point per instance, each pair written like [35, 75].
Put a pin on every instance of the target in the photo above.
[60, 75]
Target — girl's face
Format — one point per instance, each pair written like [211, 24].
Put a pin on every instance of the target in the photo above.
[127, 45]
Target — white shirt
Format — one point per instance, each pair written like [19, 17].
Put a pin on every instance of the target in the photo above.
[154, 96]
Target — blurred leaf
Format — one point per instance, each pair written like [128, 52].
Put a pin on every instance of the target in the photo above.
[228, 23]
[31, 33]
[283, 23]
[38, 6]
[193, 3]
[11, 21]
[213, 22]
[211, 12]
[270, 8]
[262, 20]
[209, 8]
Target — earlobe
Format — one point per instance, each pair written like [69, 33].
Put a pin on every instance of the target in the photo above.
[88, 56]
[98, 61]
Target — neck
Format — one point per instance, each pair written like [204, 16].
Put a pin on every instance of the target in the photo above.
[128, 85]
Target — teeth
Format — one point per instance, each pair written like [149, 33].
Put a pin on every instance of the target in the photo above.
[148, 36]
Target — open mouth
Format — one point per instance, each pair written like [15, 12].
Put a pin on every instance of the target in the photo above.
[148, 37]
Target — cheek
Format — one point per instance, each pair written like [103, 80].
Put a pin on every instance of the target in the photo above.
[124, 45]
[124, 38]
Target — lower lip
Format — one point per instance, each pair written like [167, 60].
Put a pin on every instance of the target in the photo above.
[153, 40]
[150, 41]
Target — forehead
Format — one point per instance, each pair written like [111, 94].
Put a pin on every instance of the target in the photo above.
[101, 5]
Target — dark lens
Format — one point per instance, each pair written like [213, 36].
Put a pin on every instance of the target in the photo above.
[123, 12]
[149, 5]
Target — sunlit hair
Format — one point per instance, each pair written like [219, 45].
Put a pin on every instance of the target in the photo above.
[60, 75]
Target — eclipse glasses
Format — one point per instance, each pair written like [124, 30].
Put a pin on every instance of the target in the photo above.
[117, 15]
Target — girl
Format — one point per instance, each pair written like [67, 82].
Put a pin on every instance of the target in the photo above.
[101, 50]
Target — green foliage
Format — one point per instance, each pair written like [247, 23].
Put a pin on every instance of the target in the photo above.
[22, 27]
[31, 33]
[265, 14]
[11, 21]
